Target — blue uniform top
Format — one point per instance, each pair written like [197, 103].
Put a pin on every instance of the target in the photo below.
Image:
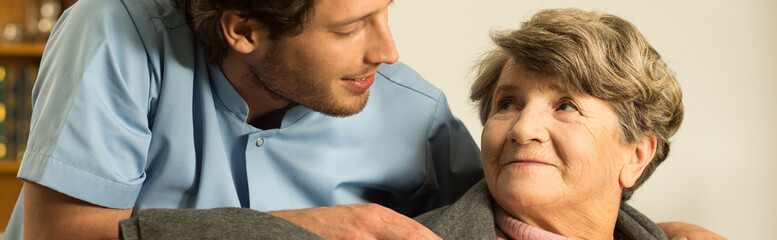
[127, 113]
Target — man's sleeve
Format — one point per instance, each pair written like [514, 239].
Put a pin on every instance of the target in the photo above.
[454, 154]
[89, 132]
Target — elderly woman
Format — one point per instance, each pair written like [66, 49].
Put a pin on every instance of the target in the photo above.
[577, 111]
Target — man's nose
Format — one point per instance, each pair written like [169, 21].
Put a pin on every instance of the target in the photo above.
[382, 48]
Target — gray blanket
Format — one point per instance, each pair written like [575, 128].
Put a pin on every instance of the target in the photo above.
[218, 223]
[471, 217]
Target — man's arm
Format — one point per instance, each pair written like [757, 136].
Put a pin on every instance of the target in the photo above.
[685, 231]
[49, 214]
[357, 221]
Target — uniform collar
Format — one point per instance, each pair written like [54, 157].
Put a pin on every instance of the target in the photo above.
[236, 105]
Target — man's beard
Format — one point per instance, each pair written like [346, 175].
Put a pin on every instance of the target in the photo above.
[273, 74]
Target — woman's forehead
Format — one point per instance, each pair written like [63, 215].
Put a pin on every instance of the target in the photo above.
[516, 78]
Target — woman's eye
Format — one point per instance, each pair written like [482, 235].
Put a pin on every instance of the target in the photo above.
[566, 107]
[506, 105]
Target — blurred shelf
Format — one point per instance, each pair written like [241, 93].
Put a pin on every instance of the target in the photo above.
[24, 50]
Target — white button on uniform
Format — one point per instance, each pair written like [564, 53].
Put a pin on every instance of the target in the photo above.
[259, 142]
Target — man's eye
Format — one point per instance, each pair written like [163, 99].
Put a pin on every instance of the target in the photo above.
[345, 34]
[348, 31]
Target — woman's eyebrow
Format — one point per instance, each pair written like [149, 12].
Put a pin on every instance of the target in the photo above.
[507, 87]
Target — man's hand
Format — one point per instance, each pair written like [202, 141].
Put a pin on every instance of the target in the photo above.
[684, 231]
[357, 221]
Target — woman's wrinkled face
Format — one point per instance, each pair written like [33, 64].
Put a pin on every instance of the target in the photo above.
[545, 147]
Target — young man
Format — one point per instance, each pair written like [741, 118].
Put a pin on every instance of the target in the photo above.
[260, 104]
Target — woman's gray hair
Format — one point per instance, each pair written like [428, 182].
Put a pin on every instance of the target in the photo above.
[595, 54]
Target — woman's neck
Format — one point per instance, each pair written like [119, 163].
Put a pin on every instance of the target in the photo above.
[582, 220]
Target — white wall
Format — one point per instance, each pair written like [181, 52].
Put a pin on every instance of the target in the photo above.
[725, 56]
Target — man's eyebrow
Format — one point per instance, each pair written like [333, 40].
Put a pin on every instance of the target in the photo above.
[356, 19]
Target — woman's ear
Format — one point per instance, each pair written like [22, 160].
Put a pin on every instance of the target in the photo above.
[644, 151]
[242, 34]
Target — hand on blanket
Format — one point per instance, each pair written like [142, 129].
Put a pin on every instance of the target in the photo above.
[685, 231]
[357, 221]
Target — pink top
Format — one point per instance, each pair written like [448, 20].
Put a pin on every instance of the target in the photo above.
[509, 227]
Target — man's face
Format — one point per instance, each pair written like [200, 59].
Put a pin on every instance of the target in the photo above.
[330, 66]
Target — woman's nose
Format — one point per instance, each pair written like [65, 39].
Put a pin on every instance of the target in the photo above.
[530, 125]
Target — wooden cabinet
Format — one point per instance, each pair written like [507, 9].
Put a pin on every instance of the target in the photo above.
[15, 59]
[19, 58]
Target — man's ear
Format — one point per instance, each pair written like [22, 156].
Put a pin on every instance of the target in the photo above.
[643, 154]
[242, 34]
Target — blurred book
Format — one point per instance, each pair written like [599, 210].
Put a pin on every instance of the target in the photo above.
[4, 74]
[16, 83]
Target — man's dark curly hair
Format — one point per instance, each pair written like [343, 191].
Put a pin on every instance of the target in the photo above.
[281, 17]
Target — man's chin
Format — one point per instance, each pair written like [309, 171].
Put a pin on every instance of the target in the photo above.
[341, 108]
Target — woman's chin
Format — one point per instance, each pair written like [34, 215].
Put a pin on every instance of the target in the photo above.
[526, 198]
[528, 191]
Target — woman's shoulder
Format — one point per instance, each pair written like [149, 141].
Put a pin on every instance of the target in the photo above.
[632, 224]
[470, 217]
